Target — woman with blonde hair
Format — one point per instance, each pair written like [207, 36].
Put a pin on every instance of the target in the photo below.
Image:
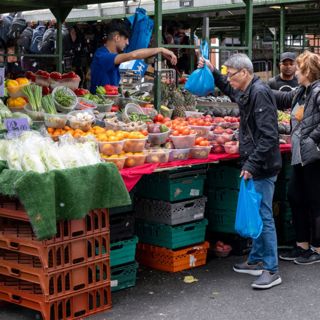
[304, 185]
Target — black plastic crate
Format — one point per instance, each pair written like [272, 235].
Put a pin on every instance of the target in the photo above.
[121, 226]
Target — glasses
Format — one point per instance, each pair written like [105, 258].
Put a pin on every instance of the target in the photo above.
[230, 75]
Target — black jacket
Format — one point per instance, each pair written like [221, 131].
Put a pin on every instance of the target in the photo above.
[310, 124]
[258, 133]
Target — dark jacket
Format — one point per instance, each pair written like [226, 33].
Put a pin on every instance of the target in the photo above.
[310, 124]
[258, 133]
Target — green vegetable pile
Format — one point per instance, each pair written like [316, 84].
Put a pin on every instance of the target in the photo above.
[97, 99]
[34, 95]
[48, 105]
[64, 98]
[135, 117]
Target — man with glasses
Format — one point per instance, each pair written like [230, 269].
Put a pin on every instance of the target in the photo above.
[286, 80]
[260, 157]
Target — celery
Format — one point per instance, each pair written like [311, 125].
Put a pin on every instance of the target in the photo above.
[34, 95]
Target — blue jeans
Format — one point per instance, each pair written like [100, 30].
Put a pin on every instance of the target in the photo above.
[264, 249]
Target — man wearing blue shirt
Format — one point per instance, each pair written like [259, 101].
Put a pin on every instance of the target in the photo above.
[106, 60]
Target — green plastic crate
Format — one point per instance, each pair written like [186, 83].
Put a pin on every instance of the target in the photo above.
[222, 199]
[122, 252]
[171, 237]
[221, 220]
[223, 177]
[124, 276]
[172, 186]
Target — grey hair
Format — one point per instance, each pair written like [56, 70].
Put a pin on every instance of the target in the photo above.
[239, 61]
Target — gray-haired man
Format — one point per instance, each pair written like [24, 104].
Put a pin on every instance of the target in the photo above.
[260, 156]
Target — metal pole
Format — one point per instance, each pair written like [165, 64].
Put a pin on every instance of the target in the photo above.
[192, 51]
[274, 47]
[158, 37]
[206, 32]
[249, 26]
[282, 29]
[59, 45]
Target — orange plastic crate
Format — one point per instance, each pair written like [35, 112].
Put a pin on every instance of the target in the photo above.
[61, 255]
[54, 284]
[71, 307]
[172, 260]
[17, 220]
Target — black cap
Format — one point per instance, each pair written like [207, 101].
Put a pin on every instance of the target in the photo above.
[287, 56]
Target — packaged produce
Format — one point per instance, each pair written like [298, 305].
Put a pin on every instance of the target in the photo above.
[65, 100]
[111, 148]
[179, 154]
[231, 147]
[34, 94]
[16, 103]
[48, 104]
[81, 120]
[199, 152]
[135, 159]
[157, 155]
[84, 104]
[183, 142]
[15, 87]
[55, 120]
[118, 160]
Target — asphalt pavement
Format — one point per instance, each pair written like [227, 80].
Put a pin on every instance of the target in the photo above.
[219, 294]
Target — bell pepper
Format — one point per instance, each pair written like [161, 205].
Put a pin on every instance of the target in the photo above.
[81, 91]
[31, 76]
[12, 83]
[19, 102]
[69, 75]
[100, 90]
[111, 90]
[22, 81]
[45, 91]
[43, 74]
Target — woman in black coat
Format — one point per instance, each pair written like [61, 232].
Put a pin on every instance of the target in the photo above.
[304, 185]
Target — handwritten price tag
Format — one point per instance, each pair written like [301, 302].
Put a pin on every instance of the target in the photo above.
[16, 126]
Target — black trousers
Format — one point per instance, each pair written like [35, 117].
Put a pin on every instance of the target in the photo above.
[304, 199]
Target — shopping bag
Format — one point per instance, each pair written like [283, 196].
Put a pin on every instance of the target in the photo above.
[201, 81]
[248, 220]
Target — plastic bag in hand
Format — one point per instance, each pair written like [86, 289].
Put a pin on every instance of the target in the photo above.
[248, 220]
[201, 81]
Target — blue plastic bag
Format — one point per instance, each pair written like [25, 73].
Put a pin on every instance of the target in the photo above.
[248, 220]
[201, 81]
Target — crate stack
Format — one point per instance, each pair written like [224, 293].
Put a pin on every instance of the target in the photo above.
[170, 221]
[123, 249]
[285, 229]
[223, 185]
[66, 277]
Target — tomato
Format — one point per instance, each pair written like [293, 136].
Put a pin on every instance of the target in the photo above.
[204, 143]
[207, 124]
[158, 118]
[198, 140]
[186, 131]
[166, 119]
[144, 132]
[200, 122]
[175, 133]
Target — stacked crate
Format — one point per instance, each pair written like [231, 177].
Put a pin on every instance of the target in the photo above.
[170, 221]
[223, 185]
[66, 277]
[123, 249]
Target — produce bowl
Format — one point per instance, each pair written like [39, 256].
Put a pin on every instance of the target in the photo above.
[34, 115]
[202, 131]
[42, 81]
[130, 108]
[141, 103]
[55, 120]
[231, 147]
[105, 107]
[179, 154]
[134, 160]
[157, 155]
[134, 145]
[84, 104]
[72, 84]
[221, 138]
[227, 125]
[66, 91]
[217, 148]
[82, 120]
[285, 139]
[15, 92]
[193, 114]
[199, 152]
[151, 112]
[111, 148]
[118, 161]
[183, 142]
[158, 138]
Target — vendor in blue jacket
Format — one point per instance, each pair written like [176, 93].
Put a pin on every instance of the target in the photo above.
[106, 60]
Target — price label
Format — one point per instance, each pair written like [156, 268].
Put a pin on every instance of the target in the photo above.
[194, 192]
[1, 82]
[186, 3]
[16, 126]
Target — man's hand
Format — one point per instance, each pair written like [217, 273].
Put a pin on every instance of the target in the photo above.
[203, 61]
[246, 175]
[169, 55]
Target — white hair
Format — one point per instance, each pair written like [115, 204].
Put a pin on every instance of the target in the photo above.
[239, 61]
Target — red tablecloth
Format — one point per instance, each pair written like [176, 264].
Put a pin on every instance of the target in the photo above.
[131, 176]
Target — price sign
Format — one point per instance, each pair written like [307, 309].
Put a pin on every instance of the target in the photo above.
[1, 82]
[186, 3]
[16, 126]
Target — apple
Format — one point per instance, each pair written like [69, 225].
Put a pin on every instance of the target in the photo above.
[218, 130]
[218, 120]
[226, 137]
[229, 131]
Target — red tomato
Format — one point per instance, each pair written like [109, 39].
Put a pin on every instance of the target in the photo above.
[204, 143]
[186, 131]
[144, 132]
[175, 133]
[198, 140]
